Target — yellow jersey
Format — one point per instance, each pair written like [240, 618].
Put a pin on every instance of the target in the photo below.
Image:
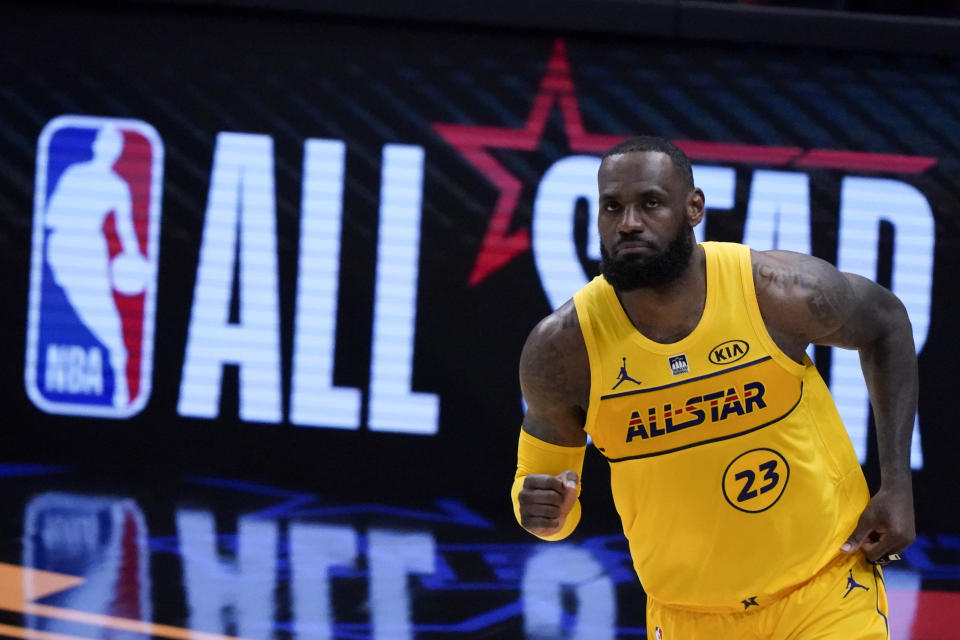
[731, 470]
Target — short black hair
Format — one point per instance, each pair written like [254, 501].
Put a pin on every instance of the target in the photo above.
[655, 143]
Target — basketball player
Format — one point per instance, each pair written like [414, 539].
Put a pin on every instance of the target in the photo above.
[746, 511]
[77, 249]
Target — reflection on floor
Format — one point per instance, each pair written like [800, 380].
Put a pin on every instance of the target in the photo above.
[208, 558]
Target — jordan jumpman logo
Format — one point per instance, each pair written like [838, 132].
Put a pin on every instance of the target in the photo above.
[853, 584]
[623, 375]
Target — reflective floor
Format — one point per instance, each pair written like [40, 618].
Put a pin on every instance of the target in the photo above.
[210, 558]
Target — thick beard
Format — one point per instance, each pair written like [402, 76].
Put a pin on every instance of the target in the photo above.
[628, 274]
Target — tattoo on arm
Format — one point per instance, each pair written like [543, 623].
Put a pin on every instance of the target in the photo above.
[770, 276]
[555, 379]
[826, 296]
[541, 372]
[823, 306]
[764, 275]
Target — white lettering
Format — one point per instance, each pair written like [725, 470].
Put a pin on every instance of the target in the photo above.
[240, 225]
[73, 369]
[553, 243]
[392, 556]
[544, 577]
[93, 378]
[778, 213]
[719, 186]
[314, 401]
[243, 589]
[76, 361]
[864, 204]
[55, 375]
[313, 550]
[224, 592]
[393, 406]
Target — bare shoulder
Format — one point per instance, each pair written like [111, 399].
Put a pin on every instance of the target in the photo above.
[804, 299]
[554, 361]
[801, 298]
[555, 377]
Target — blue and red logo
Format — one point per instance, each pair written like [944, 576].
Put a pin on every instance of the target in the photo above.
[96, 226]
[104, 540]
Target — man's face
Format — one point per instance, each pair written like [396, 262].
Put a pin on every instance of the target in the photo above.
[645, 220]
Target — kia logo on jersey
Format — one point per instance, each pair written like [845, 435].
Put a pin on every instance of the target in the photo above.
[96, 224]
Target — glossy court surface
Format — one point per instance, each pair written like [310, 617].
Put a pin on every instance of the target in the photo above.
[212, 558]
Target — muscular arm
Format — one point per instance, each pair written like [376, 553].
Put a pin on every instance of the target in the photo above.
[804, 300]
[555, 378]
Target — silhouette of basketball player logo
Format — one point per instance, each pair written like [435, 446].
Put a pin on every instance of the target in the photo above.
[853, 584]
[94, 268]
[623, 376]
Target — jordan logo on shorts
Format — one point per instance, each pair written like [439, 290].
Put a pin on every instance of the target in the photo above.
[96, 225]
[853, 584]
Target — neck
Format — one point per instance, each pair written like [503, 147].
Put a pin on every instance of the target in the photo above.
[669, 313]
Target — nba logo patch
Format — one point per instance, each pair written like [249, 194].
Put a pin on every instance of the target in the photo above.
[96, 225]
[658, 634]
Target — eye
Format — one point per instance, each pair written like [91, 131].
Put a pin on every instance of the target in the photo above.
[610, 205]
[651, 203]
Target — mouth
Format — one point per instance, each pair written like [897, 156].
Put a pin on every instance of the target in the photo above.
[631, 247]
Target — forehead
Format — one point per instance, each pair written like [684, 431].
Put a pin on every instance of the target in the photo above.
[638, 170]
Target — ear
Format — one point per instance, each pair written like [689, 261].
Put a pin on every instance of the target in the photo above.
[695, 207]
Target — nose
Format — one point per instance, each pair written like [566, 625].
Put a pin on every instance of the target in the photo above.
[631, 221]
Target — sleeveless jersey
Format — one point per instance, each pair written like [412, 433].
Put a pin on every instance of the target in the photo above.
[730, 468]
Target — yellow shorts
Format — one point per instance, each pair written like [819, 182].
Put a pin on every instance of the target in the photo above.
[845, 601]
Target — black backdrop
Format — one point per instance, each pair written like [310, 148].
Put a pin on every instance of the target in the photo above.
[192, 74]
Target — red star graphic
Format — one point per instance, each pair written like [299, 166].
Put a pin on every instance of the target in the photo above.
[500, 246]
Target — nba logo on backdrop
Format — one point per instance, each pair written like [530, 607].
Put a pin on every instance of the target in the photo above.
[96, 223]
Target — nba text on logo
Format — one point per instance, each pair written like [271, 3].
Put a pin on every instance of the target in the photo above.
[94, 266]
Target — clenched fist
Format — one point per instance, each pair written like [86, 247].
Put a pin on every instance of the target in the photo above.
[546, 500]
